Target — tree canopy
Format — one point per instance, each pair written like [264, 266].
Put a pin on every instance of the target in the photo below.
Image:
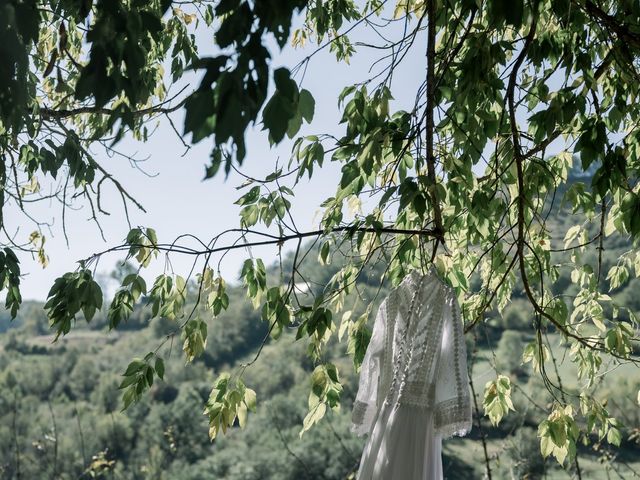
[519, 99]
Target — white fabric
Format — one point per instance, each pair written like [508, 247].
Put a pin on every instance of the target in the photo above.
[413, 387]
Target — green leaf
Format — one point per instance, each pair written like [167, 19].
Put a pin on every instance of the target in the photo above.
[149, 376]
[250, 399]
[159, 368]
[514, 10]
[314, 416]
[546, 445]
[200, 115]
[319, 381]
[306, 105]
[70, 294]
[294, 125]
[135, 366]
[497, 399]
[571, 235]
[128, 381]
[282, 107]
[614, 437]
[242, 415]
[194, 338]
[250, 197]
[324, 253]
[557, 433]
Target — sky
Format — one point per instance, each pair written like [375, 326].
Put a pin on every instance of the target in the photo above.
[168, 183]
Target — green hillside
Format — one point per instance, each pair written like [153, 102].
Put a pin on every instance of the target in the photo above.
[60, 405]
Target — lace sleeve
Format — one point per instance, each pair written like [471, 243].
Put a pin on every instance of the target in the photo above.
[452, 414]
[364, 407]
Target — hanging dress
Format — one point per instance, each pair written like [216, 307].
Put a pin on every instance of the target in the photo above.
[413, 388]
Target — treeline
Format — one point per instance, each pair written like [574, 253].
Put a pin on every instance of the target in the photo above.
[60, 404]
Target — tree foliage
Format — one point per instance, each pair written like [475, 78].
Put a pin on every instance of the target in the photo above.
[465, 178]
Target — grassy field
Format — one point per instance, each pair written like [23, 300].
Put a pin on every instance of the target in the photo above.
[500, 446]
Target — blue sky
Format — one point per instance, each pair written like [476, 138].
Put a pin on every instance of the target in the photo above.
[175, 197]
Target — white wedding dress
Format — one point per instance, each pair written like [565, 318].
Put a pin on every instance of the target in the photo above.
[413, 389]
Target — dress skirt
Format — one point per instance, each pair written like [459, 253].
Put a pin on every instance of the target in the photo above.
[402, 445]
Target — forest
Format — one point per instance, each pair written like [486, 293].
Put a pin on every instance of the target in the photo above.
[343, 146]
[62, 418]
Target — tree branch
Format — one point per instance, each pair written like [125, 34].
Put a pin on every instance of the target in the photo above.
[273, 240]
[430, 126]
[621, 30]
[521, 241]
[58, 114]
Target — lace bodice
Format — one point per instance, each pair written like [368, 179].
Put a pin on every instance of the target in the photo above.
[417, 356]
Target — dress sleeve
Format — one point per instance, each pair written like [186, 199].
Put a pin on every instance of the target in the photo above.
[452, 414]
[365, 405]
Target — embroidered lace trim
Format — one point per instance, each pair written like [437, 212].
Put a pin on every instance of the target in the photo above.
[362, 417]
[453, 417]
